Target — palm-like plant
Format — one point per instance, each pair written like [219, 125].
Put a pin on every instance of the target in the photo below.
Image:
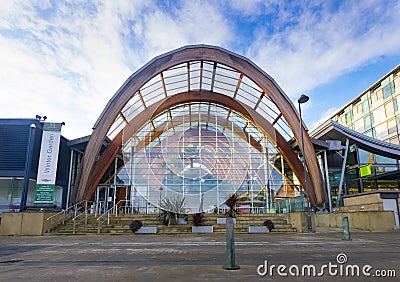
[198, 219]
[170, 208]
[231, 202]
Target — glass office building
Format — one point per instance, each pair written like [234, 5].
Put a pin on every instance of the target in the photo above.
[368, 129]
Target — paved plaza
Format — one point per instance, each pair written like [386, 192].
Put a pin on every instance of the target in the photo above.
[140, 257]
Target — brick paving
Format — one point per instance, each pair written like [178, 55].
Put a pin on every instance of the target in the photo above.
[190, 257]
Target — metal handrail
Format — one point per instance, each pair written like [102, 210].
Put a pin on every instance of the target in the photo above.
[76, 215]
[61, 219]
[113, 209]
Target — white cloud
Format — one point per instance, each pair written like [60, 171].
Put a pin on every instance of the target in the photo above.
[66, 59]
[194, 22]
[67, 66]
[322, 45]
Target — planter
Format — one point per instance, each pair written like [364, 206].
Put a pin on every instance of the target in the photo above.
[147, 230]
[257, 229]
[182, 220]
[222, 220]
[202, 229]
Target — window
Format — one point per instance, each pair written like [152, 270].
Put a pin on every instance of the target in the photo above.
[368, 121]
[371, 133]
[365, 106]
[348, 118]
[386, 92]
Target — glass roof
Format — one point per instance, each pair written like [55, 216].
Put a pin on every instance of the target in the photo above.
[201, 75]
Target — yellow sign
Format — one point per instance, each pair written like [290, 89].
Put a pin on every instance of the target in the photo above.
[365, 170]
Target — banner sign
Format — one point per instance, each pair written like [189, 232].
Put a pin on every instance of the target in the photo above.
[365, 170]
[48, 159]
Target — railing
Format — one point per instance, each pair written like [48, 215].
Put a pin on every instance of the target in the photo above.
[80, 214]
[113, 210]
[63, 215]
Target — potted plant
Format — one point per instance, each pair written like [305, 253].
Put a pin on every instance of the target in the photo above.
[267, 226]
[135, 225]
[198, 221]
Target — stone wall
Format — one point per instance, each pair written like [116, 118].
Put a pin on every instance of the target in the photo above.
[367, 220]
[24, 223]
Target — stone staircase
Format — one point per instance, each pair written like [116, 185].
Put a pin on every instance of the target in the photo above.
[120, 224]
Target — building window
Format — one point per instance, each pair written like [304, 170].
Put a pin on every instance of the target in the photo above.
[365, 106]
[386, 92]
[348, 118]
[370, 133]
[368, 122]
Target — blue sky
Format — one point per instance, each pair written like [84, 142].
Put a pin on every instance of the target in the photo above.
[66, 59]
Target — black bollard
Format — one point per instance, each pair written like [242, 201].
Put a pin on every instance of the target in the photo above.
[230, 246]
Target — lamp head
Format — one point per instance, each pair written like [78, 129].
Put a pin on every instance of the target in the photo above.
[303, 99]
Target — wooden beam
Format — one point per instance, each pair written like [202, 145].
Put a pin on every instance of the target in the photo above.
[201, 53]
[163, 85]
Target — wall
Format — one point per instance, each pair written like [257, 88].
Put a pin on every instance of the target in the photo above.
[367, 220]
[26, 223]
[370, 202]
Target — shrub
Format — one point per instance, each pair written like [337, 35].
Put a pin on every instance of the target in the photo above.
[269, 224]
[135, 225]
[231, 202]
[198, 219]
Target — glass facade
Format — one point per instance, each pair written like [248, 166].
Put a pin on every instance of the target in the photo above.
[375, 113]
[205, 153]
[11, 192]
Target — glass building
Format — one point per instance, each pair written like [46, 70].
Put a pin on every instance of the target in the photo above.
[200, 123]
[368, 131]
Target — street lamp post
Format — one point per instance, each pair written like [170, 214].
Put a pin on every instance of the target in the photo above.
[304, 99]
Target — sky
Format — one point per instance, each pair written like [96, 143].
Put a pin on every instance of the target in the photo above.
[66, 59]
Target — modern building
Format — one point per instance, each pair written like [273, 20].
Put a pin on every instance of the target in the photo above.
[367, 132]
[20, 142]
[200, 123]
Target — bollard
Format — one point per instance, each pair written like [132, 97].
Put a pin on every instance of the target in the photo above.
[230, 246]
[346, 228]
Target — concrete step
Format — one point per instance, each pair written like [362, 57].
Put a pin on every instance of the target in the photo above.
[120, 224]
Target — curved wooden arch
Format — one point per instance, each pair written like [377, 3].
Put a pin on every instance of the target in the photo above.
[199, 53]
[188, 97]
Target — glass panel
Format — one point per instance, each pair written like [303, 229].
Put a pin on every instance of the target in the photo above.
[365, 106]
[205, 163]
[387, 93]
[367, 122]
